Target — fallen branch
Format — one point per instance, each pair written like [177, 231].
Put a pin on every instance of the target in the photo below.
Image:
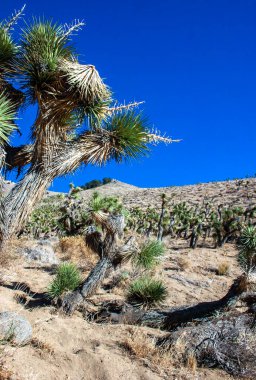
[169, 320]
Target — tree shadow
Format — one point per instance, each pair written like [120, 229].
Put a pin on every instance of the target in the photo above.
[49, 269]
[28, 299]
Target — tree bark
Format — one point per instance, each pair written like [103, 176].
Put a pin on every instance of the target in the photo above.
[20, 202]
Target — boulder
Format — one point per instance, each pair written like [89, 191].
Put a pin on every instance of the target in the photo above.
[15, 328]
[42, 252]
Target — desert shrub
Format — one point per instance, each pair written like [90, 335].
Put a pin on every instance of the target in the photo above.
[106, 204]
[183, 263]
[146, 291]
[43, 220]
[67, 278]
[222, 269]
[149, 254]
[141, 346]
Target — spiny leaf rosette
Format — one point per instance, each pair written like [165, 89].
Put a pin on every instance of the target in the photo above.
[77, 119]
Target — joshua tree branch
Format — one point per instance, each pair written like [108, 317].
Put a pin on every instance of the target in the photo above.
[17, 157]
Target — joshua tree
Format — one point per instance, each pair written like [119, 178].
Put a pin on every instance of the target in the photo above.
[77, 121]
[160, 223]
[247, 250]
[104, 235]
[7, 114]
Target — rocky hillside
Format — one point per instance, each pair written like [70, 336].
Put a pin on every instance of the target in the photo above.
[240, 192]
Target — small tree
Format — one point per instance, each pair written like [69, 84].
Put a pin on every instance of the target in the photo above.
[77, 121]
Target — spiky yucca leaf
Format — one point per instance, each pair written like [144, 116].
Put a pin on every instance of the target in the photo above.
[7, 115]
[147, 291]
[43, 47]
[67, 279]
[86, 80]
[128, 135]
[8, 50]
[106, 204]
[149, 254]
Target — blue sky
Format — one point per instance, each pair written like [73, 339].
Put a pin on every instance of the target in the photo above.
[192, 61]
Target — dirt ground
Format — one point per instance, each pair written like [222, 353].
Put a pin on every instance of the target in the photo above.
[75, 349]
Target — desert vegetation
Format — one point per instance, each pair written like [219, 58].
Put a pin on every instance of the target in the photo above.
[102, 263]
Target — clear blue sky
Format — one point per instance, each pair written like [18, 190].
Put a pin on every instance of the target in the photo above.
[192, 61]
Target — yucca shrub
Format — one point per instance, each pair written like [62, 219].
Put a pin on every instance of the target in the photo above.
[67, 278]
[146, 291]
[247, 249]
[149, 255]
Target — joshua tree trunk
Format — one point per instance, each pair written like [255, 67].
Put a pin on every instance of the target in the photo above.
[112, 257]
[72, 300]
[160, 223]
[21, 200]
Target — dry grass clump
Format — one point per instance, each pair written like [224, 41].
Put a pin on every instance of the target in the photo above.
[74, 248]
[119, 282]
[4, 260]
[223, 269]
[183, 263]
[142, 347]
[41, 346]
[5, 374]
[8, 255]
[191, 362]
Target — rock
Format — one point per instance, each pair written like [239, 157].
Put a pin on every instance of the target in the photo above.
[41, 252]
[15, 328]
[53, 241]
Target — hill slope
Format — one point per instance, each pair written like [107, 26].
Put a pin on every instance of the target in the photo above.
[236, 192]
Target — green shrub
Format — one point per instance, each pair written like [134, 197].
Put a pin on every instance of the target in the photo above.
[247, 249]
[67, 278]
[43, 220]
[149, 254]
[147, 291]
